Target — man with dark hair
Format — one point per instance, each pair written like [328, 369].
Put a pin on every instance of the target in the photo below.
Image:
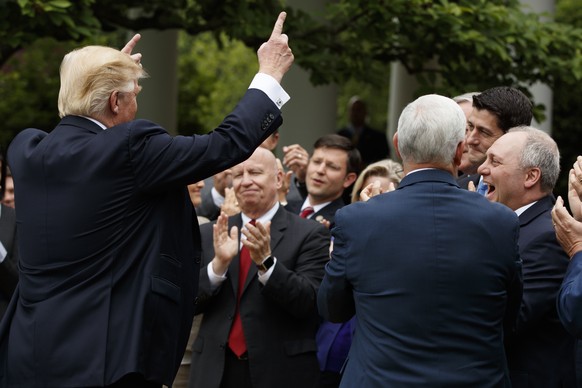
[333, 167]
[495, 111]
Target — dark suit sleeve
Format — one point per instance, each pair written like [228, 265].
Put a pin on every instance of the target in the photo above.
[570, 297]
[295, 289]
[335, 299]
[159, 159]
[544, 265]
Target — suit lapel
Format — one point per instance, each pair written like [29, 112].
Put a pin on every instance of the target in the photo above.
[536, 210]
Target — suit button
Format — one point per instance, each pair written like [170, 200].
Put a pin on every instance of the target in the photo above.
[197, 261]
[221, 346]
[230, 317]
[196, 299]
[271, 116]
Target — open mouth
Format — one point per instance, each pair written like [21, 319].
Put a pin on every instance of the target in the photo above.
[490, 190]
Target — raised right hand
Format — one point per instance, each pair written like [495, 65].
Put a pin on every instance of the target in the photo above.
[275, 56]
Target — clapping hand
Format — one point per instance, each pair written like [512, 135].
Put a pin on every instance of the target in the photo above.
[258, 241]
[225, 244]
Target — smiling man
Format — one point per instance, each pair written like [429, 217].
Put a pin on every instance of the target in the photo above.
[333, 167]
[521, 170]
[495, 111]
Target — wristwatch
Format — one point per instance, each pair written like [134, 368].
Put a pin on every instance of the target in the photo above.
[266, 264]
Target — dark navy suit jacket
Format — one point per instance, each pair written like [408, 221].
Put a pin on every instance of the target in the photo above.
[540, 352]
[432, 273]
[110, 247]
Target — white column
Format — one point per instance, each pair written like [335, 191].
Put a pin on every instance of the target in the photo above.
[311, 112]
[159, 97]
[542, 94]
[402, 88]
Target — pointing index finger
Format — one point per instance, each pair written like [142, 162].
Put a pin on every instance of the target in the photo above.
[278, 29]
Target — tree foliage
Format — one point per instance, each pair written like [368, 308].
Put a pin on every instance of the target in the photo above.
[475, 42]
[210, 84]
[451, 46]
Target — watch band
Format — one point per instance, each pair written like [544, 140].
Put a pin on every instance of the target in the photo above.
[266, 264]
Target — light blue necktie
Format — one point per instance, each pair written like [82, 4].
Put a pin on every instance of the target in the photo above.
[482, 188]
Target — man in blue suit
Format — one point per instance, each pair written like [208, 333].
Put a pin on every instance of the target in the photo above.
[430, 307]
[521, 170]
[108, 238]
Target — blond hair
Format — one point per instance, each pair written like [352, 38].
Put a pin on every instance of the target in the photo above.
[386, 168]
[88, 77]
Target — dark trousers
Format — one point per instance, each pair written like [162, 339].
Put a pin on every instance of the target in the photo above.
[236, 371]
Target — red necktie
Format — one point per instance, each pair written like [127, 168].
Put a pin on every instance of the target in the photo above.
[236, 338]
[306, 212]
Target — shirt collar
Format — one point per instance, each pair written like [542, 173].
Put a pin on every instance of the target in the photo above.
[522, 209]
[316, 208]
[264, 218]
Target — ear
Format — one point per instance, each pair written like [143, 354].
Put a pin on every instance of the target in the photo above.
[349, 179]
[279, 178]
[395, 142]
[459, 153]
[113, 102]
[532, 177]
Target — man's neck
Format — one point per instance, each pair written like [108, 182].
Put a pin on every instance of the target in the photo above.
[409, 167]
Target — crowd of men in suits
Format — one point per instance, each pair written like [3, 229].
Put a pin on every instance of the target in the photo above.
[435, 278]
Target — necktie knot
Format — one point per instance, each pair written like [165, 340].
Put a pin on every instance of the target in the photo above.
[306, 212]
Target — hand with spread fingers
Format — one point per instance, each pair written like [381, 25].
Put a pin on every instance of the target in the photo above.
[275, 55]
[258, 241]
[225, 244]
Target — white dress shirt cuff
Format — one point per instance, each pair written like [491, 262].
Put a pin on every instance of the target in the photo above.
[271, 88]
[215, 280]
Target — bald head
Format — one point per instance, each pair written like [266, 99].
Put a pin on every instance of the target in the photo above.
[256, 181]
